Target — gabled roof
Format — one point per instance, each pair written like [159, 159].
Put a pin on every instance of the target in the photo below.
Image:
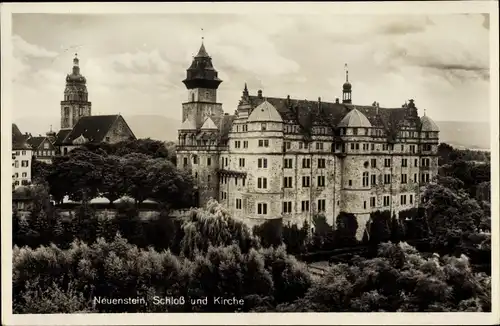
[35, 142]
[94, 128]
[355, 119]
[428, 124]
[16, 131]
[61, 136]
[209, 125]
[19, 140]
[188, 124]
[265, 112]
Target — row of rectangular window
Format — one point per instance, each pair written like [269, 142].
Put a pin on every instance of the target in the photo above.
[287, 145]
[287, 206]
[16, 175]
[321, 180]
[306, 162]
[45, 153]
[24, 164]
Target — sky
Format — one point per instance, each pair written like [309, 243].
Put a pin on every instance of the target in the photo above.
[135, 64]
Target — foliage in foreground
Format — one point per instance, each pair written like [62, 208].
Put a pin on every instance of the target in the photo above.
[72, 278]
[398, 280]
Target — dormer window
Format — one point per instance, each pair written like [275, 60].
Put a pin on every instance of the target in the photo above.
[263, 127]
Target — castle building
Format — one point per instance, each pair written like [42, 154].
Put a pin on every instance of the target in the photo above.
[288, 158]
[78, 125]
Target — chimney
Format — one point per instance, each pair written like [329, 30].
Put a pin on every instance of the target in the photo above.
[259, 93]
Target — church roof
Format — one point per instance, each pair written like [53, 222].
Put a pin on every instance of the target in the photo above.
[188, 124]
[355, 119]
[61, 136]
[428, 124]
[209, 125]
[265, 112]
[94, 128]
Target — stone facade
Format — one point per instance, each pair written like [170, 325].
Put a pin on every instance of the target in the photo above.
[292, 159]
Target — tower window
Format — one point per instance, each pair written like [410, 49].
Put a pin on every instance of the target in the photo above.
[192, 97]
[195, 159]
[263, 127]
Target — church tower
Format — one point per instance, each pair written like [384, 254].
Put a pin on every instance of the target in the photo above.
[202, 83]
[75, 104]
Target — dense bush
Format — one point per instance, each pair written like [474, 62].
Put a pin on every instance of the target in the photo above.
[72, 278]
[399, 279]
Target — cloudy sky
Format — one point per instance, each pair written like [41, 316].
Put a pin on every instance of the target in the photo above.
[134, 64]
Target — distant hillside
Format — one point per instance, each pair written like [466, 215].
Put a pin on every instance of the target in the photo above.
[472, 135]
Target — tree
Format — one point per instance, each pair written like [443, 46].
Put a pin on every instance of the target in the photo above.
[112, 183]
[270, 232]
[380, 226]
[452, 216]
[347, 226]
[397, 229]
[40, 171]
[171, 187]
[77, 175]
[138, 183]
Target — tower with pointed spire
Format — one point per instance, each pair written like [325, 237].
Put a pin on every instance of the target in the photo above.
[76, 103]
[346, 88]
[202, 82]
[202, 120]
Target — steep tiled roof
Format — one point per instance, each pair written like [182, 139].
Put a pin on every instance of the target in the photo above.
[355, 119]
[19, 140]
[265, 112]
[94, 128]
[61, 136]
[225, 126]
[188, 124]
[35, 142]
[308, 113]
[428, 124]
[16, 131]
[209, 125]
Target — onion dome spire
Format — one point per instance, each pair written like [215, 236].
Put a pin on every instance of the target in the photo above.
[347, 87]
